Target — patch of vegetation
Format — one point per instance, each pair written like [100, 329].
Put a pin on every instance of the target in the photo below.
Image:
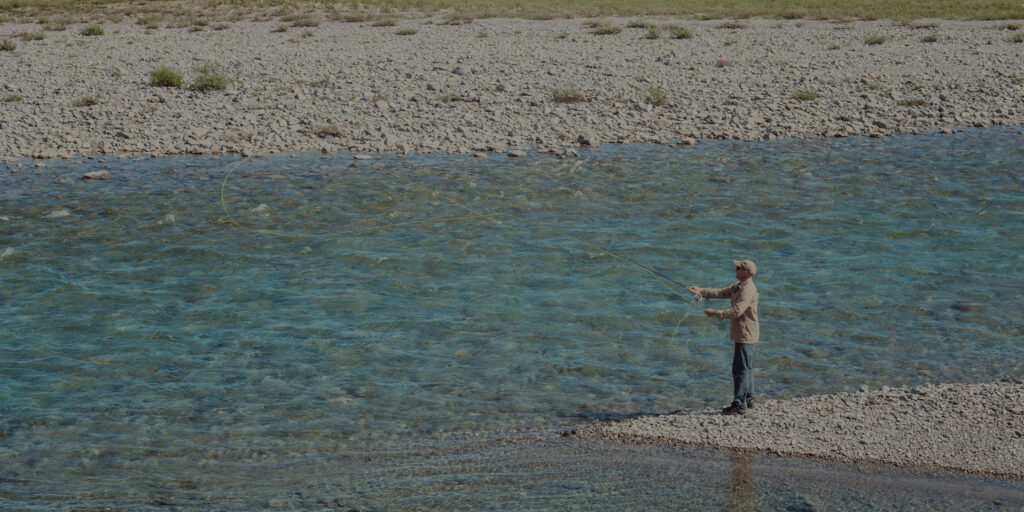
[326, 130]
[165, 76]
[594, 23]
[12, 98]
[833, 46]
[656, 95]
[196, 28]
[679, 32]
[33, 36]
[482, 34]
[55, 27]
[308, 33]
[379, 97]
[450, 97]
[209, 77]
[1017, 79]
[87, 101]
[92, 30]
[805, 95]
[563, 35]
[653, 33]
[930, 38]
[280, 28]
[874, 39]
[568, 95]
[640, 24]
[385, 22]
[319, 83]
[7, 45]
[457, 19]
[923, 24]
[733, 25]
[301, 21]
[606, 29]
[356, 17]
[405, 31]
[915, 102]
[1009, 26]
[1017, 38]
[221, 26]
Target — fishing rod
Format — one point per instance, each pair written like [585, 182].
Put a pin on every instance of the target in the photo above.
[475, 213]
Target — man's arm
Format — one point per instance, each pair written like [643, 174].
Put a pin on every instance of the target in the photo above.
[712, 293]
[744, 301]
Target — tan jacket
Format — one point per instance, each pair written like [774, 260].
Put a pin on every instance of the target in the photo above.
[743, 327]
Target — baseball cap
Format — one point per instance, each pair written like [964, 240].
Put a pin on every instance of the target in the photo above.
[747, 265]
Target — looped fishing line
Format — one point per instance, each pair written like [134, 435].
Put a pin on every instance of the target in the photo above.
[474, 213]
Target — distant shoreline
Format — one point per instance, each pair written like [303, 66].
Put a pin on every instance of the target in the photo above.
[974, 428]
[496, 86]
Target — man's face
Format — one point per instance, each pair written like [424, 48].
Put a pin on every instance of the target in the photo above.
[741, 274]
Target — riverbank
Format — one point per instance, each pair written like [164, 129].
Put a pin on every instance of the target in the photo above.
[497, 85]
[976, 428]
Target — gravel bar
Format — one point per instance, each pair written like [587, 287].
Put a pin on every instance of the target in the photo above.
[976, 428]
[498, 86]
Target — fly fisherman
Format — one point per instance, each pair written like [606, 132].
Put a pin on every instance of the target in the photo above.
[743, 330]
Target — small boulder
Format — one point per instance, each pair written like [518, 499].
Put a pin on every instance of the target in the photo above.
[96, 175]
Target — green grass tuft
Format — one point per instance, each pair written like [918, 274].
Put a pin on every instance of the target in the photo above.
[930, 38]
[679, 32]
[734, 25]
[450, 97]
[568, 95]
[606, 29]
[915, 102]
[805, 95]
[327, 130]
[653, 33]
[1017, 38]
[12, 98]
[405, 31]
[33, 36]
[165, 76]
[7, 45]
[209, 77]
[92, 30]
[874, 39]
[87, 101]
[656, 95]
[385, 22]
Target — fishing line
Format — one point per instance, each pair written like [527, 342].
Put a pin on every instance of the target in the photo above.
[474, 213]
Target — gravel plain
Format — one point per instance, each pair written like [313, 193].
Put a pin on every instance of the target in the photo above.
[976, 428]
[488, 86]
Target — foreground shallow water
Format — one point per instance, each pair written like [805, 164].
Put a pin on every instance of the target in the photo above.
[210, 332]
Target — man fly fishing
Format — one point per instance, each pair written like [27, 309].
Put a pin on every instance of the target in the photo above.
[744, 330]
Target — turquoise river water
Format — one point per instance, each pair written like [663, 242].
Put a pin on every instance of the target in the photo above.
[313, 332]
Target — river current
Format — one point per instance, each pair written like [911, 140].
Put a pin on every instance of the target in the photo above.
[313, 332]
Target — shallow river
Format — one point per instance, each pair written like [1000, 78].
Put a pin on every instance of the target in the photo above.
[312, 331]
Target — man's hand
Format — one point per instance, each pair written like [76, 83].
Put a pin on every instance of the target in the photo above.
[692, 289]
[709, 312]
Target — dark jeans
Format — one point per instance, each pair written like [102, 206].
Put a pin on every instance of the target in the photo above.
[742, 374]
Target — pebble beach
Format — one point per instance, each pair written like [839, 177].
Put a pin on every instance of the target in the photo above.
[975, 428]
[498, 85]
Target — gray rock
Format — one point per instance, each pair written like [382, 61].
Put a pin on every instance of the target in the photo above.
[96, 175]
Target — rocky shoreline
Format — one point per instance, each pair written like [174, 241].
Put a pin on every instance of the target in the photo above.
[489, 86]
[975, 428]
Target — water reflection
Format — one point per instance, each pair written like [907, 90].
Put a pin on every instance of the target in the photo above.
[742, 495]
